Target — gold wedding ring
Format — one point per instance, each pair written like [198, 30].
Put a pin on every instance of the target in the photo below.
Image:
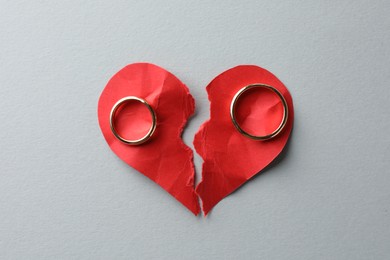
[112, 119]
[258, 137]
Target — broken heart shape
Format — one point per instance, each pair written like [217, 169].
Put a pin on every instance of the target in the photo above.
[164, 158]
[230, 158]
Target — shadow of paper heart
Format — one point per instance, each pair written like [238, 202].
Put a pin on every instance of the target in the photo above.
[281, 158]
[267, 170]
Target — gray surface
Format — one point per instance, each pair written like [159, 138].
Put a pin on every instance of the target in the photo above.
[65, 195]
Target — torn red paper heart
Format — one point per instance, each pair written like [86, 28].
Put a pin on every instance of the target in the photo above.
[231, 159]
[164, 158]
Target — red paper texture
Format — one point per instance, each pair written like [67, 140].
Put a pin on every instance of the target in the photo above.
[164, 158]
[231, 159]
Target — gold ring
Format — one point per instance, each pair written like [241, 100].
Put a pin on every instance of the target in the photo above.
[258, 137]
[112, 117]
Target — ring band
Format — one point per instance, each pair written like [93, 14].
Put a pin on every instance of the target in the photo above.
[259, 137]
[112, 117]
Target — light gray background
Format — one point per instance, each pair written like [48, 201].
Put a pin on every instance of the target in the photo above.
[65, 195]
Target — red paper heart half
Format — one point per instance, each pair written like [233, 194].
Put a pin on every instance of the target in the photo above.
[230, 158]
[164, 158]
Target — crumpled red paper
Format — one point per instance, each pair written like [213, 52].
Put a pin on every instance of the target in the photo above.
[231, 159]
[164, 158]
